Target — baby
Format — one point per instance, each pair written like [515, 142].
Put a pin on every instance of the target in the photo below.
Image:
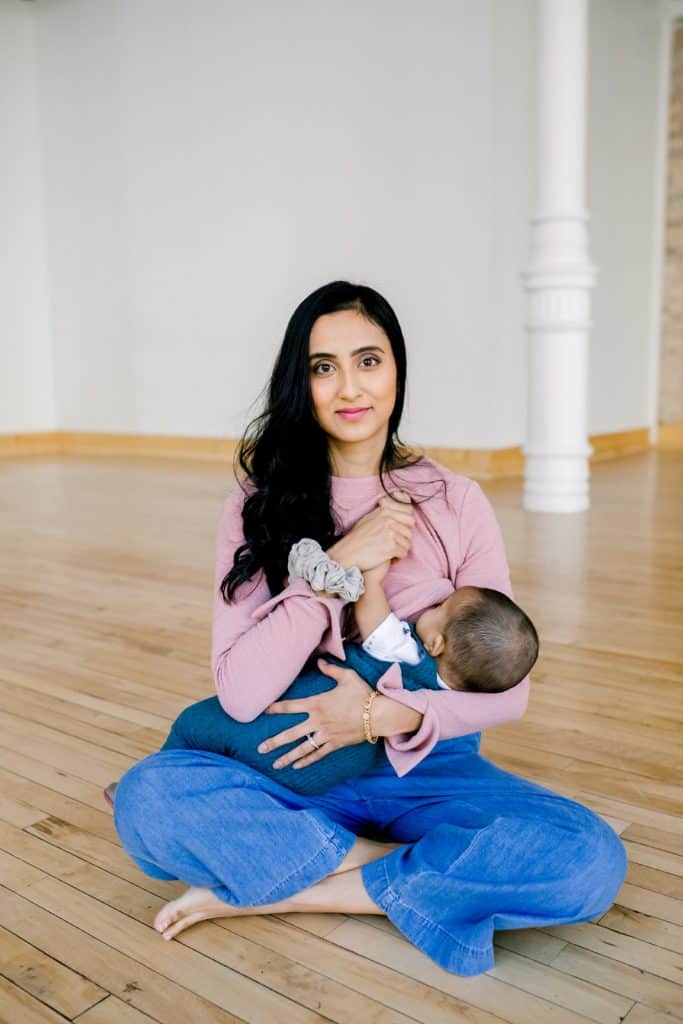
[477, 640]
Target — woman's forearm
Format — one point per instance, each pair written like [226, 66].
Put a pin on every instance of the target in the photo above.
[253, 665]
[389, 718]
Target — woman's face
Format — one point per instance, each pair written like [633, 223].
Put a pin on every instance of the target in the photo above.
[353, 376]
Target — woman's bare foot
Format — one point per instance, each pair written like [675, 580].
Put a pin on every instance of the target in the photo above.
[341, 889]
[193, 906]
[110, 793]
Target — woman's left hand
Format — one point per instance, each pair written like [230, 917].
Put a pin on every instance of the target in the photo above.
[335, 718]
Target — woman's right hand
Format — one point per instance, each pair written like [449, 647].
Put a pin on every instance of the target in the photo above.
[384, 534]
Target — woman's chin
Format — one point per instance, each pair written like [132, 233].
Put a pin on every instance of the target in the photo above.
[357, 432]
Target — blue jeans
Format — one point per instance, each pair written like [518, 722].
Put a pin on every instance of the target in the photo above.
[484, 848]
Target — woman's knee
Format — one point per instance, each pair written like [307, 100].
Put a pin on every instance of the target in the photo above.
[145, 792]
[139, 791]
[601, 872]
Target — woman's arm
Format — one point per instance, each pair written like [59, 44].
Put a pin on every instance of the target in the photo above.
[260, 643]
[447, 714]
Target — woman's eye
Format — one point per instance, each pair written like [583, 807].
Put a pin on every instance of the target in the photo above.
[317, 368]
[374, 359]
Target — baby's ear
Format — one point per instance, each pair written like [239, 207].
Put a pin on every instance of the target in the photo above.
[436, 645]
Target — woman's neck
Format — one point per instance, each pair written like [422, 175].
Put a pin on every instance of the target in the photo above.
[356, 460]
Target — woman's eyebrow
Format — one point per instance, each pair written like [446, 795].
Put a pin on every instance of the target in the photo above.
[356, 351]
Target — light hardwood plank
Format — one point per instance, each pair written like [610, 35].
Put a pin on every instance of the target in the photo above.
[658, 838]
[635, 983]
[636, 952]
[113, 1011]
[633, 897]
[245, 978]
[653, 858]
[16, 874]
[486, 992]
[421, 1000]
[158, 995]
[645, 927]
[52, 801]
[17, 1005]
[46, 979]
[643, 1015]
[59, 850]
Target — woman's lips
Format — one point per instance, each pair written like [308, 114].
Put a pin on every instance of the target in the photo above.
[354, 414]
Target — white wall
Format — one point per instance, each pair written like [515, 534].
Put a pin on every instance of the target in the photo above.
[622, 123]
[207, 165]
[26, 379]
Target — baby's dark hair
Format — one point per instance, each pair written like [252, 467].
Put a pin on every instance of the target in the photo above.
[490, 644]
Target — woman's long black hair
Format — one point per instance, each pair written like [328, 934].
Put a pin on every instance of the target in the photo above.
[285, 451]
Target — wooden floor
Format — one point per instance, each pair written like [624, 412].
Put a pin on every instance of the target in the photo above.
[105, 581]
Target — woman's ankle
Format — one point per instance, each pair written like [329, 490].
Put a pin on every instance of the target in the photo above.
[362, 852]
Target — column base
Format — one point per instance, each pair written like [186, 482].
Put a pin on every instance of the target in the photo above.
[557, 482]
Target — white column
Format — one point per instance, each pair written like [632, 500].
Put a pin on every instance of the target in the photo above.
[559, 276]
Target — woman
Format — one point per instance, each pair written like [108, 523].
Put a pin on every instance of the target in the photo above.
[468, 847]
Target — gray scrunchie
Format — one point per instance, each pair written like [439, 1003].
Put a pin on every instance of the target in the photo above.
[308, 560]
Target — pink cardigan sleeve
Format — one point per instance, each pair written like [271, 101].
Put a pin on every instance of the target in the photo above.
[260, 643]
[447, 714]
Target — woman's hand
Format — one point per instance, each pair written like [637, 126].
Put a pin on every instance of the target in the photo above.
[335, 718]
[384, 534]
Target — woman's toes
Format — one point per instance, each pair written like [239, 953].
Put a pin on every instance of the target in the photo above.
[177, 914]
[182, 924]
[164, 918]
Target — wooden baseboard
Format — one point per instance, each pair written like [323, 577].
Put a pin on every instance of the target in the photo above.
[486, 464]
[482, 463]
[206, 449]
[670, 435]
[625, 442]
[29, 444]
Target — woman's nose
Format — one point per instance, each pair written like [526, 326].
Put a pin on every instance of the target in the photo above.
[348, 386]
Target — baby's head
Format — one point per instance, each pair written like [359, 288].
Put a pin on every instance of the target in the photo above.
[482, 641]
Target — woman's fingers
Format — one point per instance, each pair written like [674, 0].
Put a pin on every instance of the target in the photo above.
[287, 736]
[389, 521]
[401, 531]
[392, 512]
[395, 504]
[315, 755]
[400, 539]
[330, 669]
[337, 672]
[289, 707]
[303, 750]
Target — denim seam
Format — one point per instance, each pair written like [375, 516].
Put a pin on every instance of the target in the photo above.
[432, 925]
[330, 837]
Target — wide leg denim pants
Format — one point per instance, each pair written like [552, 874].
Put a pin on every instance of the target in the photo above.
[484, 848]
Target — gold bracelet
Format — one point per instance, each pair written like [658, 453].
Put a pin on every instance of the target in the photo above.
[366, 717]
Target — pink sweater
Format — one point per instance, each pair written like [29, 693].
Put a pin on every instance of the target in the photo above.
[260, 643]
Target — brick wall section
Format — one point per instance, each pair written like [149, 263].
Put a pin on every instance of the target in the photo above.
[671, 366]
